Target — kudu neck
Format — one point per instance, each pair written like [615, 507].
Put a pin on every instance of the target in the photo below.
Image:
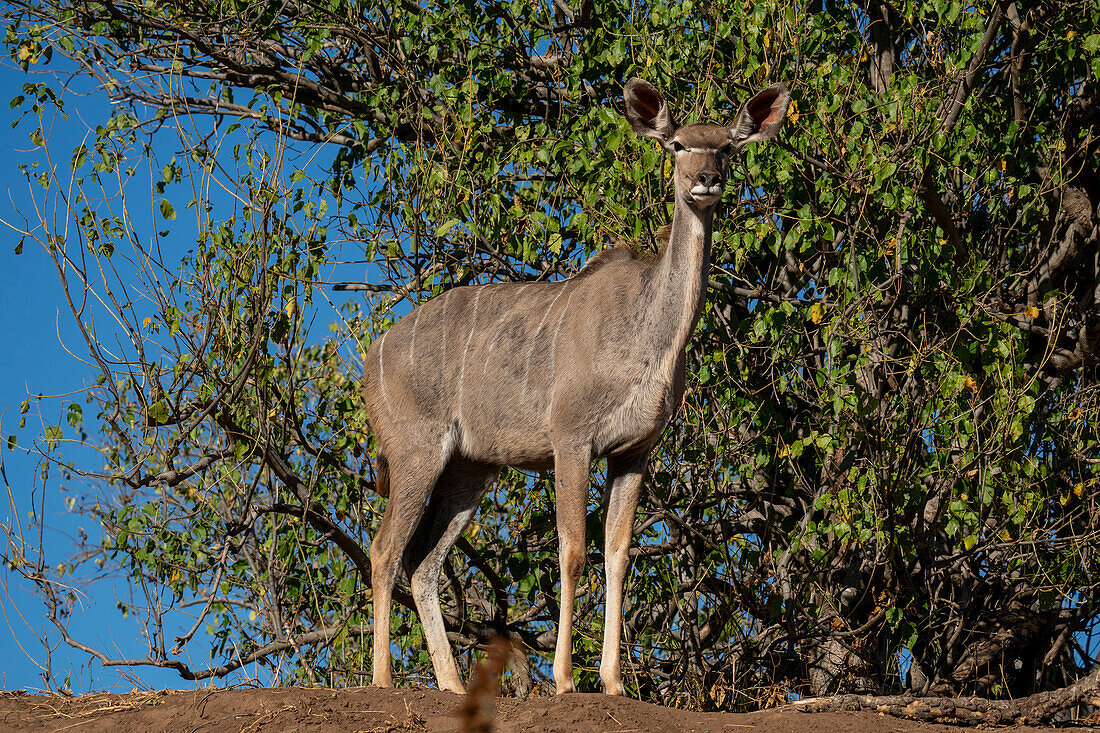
[680, 273]
[689, 239]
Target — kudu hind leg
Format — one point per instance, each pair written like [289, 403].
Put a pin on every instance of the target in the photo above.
[412, 477]
[624, 488]
[453, 504]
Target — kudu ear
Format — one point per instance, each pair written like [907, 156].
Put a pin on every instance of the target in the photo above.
[646, 110]
[761, 117]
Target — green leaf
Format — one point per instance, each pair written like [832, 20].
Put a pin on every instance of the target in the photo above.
[446, 227]
[75, 415]
[953, 9]
[166, 210]
[158, 412]
[80, 155]
[53, 434]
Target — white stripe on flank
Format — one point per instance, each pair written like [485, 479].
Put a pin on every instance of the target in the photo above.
[412, 341]
[469, 336]
[497, 328]
[554, 355]
[382, 370]
[554, 341]
[534, 341]
[443, 320]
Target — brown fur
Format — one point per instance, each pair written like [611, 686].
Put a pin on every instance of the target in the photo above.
[623, 250]
[604, 256]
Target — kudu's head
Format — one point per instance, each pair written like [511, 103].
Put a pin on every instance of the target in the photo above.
[701, 151]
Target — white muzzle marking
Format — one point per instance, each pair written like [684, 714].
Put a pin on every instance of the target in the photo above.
[704, 191]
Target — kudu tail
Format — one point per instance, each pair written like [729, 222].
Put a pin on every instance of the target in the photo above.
[382, 475]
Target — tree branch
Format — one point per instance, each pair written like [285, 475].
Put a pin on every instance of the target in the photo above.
[1035, 709]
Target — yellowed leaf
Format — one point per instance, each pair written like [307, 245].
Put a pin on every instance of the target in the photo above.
[817, 312]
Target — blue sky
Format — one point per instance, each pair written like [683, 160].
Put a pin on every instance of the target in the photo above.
[33, 333]
[33, 362]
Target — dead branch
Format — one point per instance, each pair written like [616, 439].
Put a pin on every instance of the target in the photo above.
[1035, 709]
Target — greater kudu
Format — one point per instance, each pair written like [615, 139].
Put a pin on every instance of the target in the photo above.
[545, 374]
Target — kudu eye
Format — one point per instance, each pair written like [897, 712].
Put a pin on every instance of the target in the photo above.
[677, 147]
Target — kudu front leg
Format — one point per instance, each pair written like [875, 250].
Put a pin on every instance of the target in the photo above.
[571, 471]
[624, 488]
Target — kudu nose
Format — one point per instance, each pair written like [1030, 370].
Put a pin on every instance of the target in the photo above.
[708, 180]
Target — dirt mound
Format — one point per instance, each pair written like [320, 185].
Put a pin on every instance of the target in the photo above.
[375, 710]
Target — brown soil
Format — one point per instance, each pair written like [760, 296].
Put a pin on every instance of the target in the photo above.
[372, 709]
